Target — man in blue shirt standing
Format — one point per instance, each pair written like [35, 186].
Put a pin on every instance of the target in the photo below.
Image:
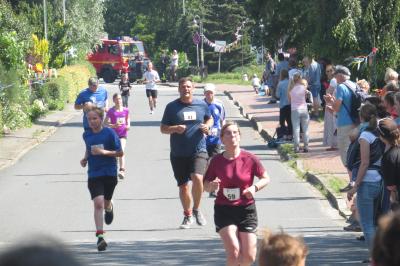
[313, 77]
[217, 110]
[93, 96]
[188, 121]
[341, 104]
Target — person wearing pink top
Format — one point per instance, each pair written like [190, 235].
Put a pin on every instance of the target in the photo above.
[231, 174]
[297, 97]
[118, 119]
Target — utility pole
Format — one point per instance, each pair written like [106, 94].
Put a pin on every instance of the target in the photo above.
[65, 54]
[45, 19]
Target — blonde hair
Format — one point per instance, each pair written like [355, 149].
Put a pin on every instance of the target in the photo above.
[390, 74]
[281, 250]
[295, 79]
[363, 84]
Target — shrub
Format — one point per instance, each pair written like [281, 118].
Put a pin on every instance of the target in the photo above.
[55, 93]
[37, 109]
[76, 77]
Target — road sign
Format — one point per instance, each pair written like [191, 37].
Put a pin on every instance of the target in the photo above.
[196, 38]
[220, 46]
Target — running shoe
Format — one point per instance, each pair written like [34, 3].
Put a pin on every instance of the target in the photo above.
[109, 215]
[101, 243]
[200, 220]
[187, 221]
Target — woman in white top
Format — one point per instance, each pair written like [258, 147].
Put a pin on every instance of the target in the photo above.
[174, 64]
[368, 183]
[299, 113]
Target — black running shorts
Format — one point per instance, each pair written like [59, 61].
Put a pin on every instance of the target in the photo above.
[183, 167]
[152, 93]
[102, 185]
[244, 217]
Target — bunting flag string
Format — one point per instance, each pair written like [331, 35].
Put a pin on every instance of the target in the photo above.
[362, 59]
[229, 46]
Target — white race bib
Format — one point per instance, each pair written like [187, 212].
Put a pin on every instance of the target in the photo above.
[121, 120]
[101, 146]
[188, 116]
[214, 132]
[232, 193]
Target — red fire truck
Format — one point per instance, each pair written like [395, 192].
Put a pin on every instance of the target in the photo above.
[113, 57]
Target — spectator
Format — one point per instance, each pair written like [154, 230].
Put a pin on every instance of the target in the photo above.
[174, 65]
[341, 103]
[299, 113]
[364, 85]
[313, 77]
[282, 250]
[368, 181]
[390, 135]
[292, 68]
[268, 76]
[391, 76]
[387, 241]
[330, 130]
[255, 82]
[284, 105]
[397, 105]
[389, 103]
[282, 64]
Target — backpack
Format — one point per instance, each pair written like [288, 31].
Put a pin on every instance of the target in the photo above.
[377, 149]
[358, 96]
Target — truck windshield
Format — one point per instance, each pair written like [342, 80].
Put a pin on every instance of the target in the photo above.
[130, 49]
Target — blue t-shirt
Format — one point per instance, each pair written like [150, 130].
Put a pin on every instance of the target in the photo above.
[283, 93]
[343, 116]
[193, 140]
[218, 113]
[314, 74]
[100, 165]
[281, 65]
[99, 98]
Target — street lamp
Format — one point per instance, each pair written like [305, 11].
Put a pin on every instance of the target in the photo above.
[262, 43]
[197, 22]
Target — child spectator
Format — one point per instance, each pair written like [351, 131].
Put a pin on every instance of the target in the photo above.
[255, 82]
[282, 250]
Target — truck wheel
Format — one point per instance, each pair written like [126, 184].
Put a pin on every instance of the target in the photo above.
[108, 76]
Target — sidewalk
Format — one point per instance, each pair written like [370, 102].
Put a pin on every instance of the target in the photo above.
[323, 169]
[15, 144]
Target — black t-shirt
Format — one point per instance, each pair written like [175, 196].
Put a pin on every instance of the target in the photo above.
[124, 87]
[391, 167]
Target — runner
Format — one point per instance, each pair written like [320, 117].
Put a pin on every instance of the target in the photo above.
[231, 173]
[102, 146]
[187, 120]
[125, 87]
[118, 118]
[150, 79]
[217, 110]
[93, 96]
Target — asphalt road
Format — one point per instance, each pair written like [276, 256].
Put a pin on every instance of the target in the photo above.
[45, 194]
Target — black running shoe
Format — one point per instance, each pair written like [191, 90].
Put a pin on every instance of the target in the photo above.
[101, 244]
[109, 215]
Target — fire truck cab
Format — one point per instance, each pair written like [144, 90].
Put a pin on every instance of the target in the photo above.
[113, 57]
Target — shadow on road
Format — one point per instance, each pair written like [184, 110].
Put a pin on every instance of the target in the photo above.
[324, 250]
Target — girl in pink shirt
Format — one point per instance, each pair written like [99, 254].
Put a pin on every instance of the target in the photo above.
[299, 114]
[118, 119]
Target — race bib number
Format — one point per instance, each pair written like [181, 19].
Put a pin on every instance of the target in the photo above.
[232, 193]
[121, 120]
[188, 116]
[101, 146]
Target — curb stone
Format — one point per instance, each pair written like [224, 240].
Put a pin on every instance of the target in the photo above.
[336, 202]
